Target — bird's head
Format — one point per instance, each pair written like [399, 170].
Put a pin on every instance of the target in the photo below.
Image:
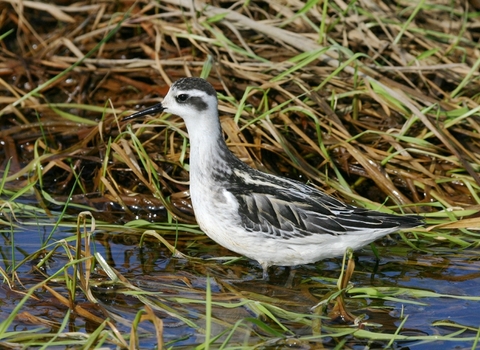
[189, 98]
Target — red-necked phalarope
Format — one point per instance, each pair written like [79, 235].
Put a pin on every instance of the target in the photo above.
[274, 220]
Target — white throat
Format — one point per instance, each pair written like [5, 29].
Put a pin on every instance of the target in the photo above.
[206, 142]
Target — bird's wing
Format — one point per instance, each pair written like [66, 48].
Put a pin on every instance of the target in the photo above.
[282, 208]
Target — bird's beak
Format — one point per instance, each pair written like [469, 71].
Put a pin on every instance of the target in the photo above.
[150, 110]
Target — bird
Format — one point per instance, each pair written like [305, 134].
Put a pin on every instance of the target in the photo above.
[274, 220]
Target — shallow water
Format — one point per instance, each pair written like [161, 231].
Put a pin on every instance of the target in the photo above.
[180, 285]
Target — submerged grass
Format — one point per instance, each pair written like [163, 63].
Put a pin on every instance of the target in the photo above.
[377, 104]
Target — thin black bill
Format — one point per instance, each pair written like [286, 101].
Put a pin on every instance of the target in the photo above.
[150, 110]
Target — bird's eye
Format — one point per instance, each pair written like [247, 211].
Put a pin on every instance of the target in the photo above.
[182, 98]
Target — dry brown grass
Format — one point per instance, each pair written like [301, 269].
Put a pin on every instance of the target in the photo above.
[393, 90]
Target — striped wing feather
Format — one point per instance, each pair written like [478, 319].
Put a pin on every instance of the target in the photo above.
[290, 209]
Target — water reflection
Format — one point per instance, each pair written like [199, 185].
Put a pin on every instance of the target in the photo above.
[177, 288]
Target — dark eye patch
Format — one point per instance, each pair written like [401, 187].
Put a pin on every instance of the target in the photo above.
[181, 98]
[193, 101]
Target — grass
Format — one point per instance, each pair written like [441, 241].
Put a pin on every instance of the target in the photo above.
[377, 105]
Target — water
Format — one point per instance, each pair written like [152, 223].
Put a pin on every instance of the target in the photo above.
[179, 288]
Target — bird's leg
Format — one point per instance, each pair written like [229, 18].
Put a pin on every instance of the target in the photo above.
[265, 271]
[291, 276]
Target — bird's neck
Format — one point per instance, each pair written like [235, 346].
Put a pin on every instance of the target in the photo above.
[209, 154]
